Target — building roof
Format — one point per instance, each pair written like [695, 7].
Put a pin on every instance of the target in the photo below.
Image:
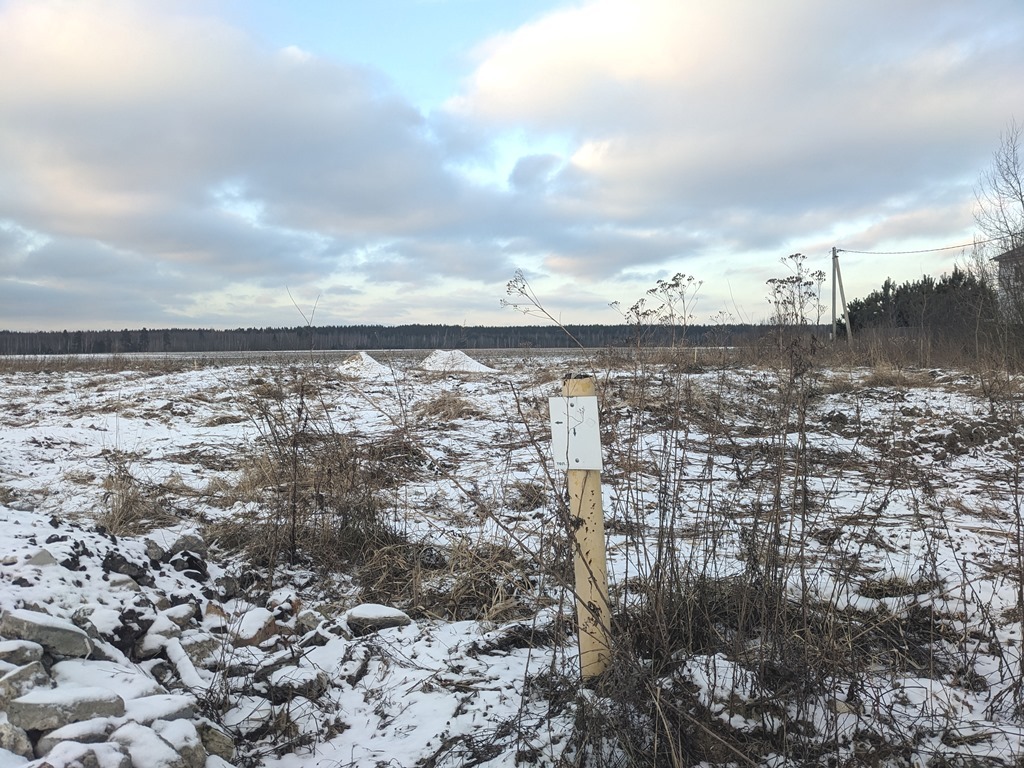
[1014, 254]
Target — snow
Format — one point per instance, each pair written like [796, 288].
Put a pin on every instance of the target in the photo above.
[453, 361]
[146, 709]
[68, 753]
[68, 696]
[362, 365]
[128, 681]
[909, 486]
[44, 619]
[252, 623]
[374, 612]
[248, 713]
[147, 748]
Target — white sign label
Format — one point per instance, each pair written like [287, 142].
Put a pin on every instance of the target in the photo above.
[575, 433]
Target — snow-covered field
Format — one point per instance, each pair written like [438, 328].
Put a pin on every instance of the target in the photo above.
[880, 513]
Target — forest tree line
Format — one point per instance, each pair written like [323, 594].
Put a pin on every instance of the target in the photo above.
[360, 337]
[955, 304]
[958, 306]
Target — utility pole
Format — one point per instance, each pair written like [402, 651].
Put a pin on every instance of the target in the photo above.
[837, 276]
[835, 266]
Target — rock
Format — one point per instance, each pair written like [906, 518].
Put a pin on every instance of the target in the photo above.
[216, 741]
[71, 753]
[284, 606]
[119, 628]
[115, 562]
[288, 682]
[200, 646]
[249, 715]
[20, 652]
[59, 637]
[372, 617]
[161, 630]
[227, 587]
[190, 564]
[181, 614]
[190, 542]
[45, 709]
[121, 581]
[73, 562]
[128, 680]
[154, 551]
[42, 558]
[254, 628]
[183, 736]
[148, 748]
[307, 621]
[164, 706]
[14, 739]
[20, 681]
[214, 616]
[316, 638]
[94, 731]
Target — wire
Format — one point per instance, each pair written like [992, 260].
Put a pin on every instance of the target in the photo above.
[923, 250]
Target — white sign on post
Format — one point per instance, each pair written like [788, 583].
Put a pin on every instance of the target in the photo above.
[575, 433]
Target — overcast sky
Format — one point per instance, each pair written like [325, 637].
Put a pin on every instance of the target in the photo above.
[205, 163]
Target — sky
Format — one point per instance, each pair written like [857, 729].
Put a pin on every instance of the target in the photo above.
[253, 163]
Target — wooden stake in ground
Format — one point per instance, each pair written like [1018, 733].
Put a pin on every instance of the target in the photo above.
[576, 445]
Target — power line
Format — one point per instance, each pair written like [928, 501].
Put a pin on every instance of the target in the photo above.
[923, 250]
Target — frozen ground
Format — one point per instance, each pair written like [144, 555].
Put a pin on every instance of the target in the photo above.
[886, 496]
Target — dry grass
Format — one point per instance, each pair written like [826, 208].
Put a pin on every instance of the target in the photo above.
[153, 364]
[319, 497]
[447, 407]
[131, 507]
[898, 377]
[464, 582]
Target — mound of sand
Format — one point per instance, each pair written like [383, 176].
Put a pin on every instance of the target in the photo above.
[361, 364]
[453, 361]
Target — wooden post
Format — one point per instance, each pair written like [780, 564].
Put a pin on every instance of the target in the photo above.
[586, 516]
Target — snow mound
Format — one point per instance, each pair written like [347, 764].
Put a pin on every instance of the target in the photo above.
[361, 364]
[453, 361]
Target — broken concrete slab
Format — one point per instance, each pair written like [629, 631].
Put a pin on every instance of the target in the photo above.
[58, 636]
[44, 709]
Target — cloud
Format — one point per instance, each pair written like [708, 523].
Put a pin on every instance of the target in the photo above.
[706, 116]
[127, 123]
[533, 172]
[199, 172]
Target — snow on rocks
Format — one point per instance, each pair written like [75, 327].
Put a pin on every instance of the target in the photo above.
[14, 739]
[372, 617]
[43, 709]
[23, 679]
[75, 684]
[149, 749]
[71, 753]
[453, 361]
[59, 637]
[20, 652]
[255, 627]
